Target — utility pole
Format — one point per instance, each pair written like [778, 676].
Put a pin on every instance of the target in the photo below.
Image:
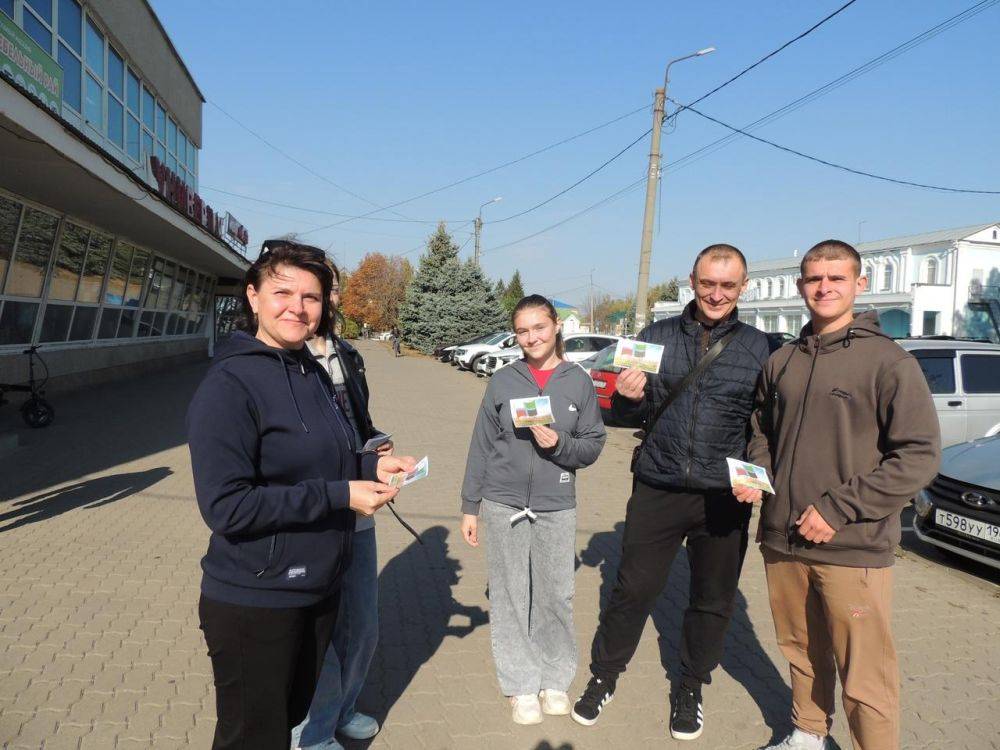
[652, 178]
[592, 329]
[479, 225]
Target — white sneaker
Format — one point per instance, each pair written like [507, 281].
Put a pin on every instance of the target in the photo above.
[555, 702]
[526, 709]
[799, 740]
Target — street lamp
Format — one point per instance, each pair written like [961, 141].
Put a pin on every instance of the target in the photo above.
[479, 223]
[646, 251]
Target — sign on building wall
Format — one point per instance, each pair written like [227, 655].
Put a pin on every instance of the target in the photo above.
[177, 193]
[236, 231]
[29, 66]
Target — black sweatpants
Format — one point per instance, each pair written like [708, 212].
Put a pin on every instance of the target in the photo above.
[656, 522]
[266, 663]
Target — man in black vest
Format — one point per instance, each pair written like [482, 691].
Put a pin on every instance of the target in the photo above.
[682, 490]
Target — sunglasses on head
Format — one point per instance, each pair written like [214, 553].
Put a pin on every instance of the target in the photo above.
[268, 246]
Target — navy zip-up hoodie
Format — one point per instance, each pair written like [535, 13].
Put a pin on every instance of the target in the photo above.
[272, 454]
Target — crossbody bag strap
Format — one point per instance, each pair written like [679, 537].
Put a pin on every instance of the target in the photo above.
[710, 356]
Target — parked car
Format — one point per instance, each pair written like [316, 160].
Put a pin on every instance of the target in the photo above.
[466, 356]
[493, 362]
[605, 377]
[446, 352]
[964, 378]
[581, 346]
[960, 511]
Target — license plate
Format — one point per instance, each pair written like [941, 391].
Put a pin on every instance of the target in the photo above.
[600, 383]
[968, 526]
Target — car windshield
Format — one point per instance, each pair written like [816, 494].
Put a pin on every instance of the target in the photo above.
[496, 338]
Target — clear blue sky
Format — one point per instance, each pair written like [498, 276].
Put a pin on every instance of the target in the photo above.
[391, 99]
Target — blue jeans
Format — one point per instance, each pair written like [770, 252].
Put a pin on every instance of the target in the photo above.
[349, 655]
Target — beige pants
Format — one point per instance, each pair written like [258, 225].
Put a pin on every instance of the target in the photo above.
[831, 617]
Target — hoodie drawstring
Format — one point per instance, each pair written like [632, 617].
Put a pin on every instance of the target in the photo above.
[291, 393]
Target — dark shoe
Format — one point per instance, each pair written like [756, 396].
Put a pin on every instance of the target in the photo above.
[687, 719]
[596, 696]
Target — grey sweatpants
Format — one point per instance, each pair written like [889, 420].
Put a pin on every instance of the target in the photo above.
[531, 569]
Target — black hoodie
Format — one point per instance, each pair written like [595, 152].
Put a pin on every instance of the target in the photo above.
[272, 454]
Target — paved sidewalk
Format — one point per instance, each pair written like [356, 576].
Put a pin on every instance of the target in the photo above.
[100, 540]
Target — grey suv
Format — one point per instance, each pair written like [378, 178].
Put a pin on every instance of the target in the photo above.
[964, 377]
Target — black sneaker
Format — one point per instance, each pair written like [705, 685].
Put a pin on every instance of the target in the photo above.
[687, 719]
[597, 695]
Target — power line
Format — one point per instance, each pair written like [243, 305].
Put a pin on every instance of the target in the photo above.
[834, 165]
[323, 211]
[608, 199]
[791, 106]
[704, 96]
[771, 54]
[578, 182]
[304, 166]
[836, 83]
[496, 168]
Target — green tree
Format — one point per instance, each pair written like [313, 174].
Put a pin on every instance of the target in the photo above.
[500, 289]
[513, 293]
[447, 301]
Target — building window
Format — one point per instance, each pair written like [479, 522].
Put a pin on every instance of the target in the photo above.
[870, 276]
[10, 218]
[770, 323]
[7, 6]
[781, 288]
[37, 22]
[793, 324]
[95, 49]
[932, 271]
[887, 277]
[770, 289]
[931, 322]
[32, 254]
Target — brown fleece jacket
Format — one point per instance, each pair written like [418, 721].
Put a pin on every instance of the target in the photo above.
[845, 422]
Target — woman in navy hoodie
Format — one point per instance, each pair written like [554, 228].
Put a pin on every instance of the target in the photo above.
[279, 477]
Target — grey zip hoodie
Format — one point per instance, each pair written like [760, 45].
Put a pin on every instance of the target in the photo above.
[505, 464]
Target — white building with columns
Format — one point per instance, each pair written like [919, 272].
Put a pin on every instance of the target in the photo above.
[919, 284]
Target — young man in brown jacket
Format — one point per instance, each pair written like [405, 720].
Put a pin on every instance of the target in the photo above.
[847, 430]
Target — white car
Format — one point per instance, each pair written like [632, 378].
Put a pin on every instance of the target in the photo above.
[579, 347]
[468, 355]
[964, 378]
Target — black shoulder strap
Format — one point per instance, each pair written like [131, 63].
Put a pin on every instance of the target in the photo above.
[710, 356]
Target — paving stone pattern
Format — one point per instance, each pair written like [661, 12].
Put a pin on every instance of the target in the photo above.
[100, 540]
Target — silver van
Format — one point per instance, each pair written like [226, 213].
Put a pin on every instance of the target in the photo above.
[964, 377]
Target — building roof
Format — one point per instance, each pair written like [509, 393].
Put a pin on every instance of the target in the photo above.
[565, 312]
[910, 240]
[170, 43]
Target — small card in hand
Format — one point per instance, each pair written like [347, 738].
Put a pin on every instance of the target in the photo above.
[639, 354]
[419, 472]
[528, 412]
[742, 474]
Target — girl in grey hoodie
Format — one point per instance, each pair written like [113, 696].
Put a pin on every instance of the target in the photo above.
[521, 481]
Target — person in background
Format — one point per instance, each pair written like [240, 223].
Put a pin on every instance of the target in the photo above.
[355, 634]
[846, 427]
[521, 481]
[279, 480]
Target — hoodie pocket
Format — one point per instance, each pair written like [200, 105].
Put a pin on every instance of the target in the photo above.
[258, 555]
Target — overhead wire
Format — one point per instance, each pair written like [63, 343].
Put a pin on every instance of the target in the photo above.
[836, 83]
[834, 165]
[704, 96]
[791, 106]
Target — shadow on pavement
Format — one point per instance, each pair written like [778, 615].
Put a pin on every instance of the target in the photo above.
[92, 493]
[744, 658]
[416, 609]
[98, 428]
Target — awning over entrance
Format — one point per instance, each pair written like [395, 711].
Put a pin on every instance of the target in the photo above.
[44, 160]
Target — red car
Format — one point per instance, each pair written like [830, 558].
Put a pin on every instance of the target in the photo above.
[605, 376]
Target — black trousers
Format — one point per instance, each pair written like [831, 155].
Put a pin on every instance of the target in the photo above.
[656, 522]
[266, 663]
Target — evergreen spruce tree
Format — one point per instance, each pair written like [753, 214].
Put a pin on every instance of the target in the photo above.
[500, 289]
[513, 293]
[447, 301]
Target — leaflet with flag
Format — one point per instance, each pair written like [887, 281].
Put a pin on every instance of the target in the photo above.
[528, 412]
[639, 354]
